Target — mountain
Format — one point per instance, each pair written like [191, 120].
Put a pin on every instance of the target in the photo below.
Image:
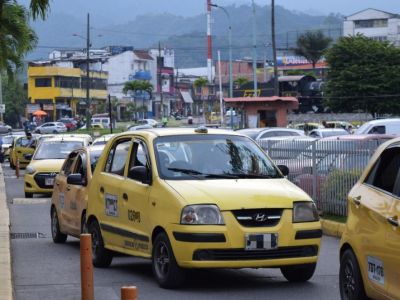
[187, 35]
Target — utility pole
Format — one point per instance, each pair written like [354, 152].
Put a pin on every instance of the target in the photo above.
[221, 103]
[110, 113]
[159, 65]
[276, 82]
[1, 100]
[254, 50]
[88, 104]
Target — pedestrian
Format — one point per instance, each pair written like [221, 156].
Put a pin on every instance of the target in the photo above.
[324, 124]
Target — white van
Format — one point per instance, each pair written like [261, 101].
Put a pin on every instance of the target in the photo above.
[105, 121]
[382, 126]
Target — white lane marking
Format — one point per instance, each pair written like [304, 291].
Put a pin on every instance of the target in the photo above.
[31, 200]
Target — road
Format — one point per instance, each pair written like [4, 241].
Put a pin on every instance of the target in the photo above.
[44, 270]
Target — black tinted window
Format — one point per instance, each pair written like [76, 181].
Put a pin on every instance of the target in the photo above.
[386, 169]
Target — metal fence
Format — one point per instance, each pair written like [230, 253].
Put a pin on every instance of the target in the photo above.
[326, 170]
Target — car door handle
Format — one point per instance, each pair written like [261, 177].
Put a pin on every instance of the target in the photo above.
[125, 196]
[393, 220]
[57, 183]
[101, 190]
[356, 200]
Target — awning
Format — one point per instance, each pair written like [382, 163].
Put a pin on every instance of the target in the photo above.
[262, 99]
[187, 98]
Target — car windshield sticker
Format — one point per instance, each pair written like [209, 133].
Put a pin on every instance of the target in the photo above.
[375, 270]
[111, 205]
[62, 200]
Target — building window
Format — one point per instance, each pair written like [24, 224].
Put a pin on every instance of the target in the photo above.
[380, 38]
[211, 90]
[371, 23]
[67, 82]
[43, 82]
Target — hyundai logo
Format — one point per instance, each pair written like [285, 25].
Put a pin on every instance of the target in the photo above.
[260, 217]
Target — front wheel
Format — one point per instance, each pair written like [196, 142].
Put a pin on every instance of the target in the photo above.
[165, 269]
[298, 273]
[350, 280]
[56, 234]
[102, 257]
[55, 131]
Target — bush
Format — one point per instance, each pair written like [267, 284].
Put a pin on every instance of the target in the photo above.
[335, 191]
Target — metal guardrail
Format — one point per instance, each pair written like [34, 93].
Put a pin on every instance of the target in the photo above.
[326, 170]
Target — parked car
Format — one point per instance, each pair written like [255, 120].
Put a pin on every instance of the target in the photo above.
[199, 198]
[51, 127]
[5, 128]
[70, 123]
[326, 132]
[7, 142]
[307, 127]
[269, 132]
[22, 150]
[103, 121]
[381, 126]
[69, 198]
[151, 122]
[139, 127]
[339, 124]
[370, 244]
[46, 163]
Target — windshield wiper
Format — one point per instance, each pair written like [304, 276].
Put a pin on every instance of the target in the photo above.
[261, 176]
[195, 173]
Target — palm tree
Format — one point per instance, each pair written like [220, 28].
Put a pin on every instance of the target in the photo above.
[312, 45]
[200, 82]
[240, 81]
[138, 85]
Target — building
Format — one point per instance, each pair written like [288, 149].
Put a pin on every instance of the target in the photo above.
[59, 87]
[373, 23]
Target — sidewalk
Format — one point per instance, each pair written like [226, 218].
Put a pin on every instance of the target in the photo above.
[6, 290]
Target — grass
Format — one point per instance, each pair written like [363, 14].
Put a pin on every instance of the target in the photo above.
[340, 219]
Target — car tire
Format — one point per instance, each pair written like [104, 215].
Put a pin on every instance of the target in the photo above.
[56, 234]
[28, 195]
[298, 273]
[102, 257]
[37, 131]
[350, 281]
[84, 228]
[12, 166]
[55, 131]
[165, 268]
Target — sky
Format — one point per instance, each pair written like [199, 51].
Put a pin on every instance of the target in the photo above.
[119, 11]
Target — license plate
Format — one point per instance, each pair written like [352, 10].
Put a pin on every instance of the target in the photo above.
[265, 241]
[49, 181]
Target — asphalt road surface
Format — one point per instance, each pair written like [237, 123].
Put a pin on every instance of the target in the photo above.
[44, 270]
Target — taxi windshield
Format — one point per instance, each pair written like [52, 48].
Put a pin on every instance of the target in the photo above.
[56, 149]
[211, 157]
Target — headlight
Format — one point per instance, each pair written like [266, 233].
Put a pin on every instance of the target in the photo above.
[201, 215]
[30, 170]
[305, 212]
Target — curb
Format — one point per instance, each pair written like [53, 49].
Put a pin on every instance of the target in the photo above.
[332, 228]
[6, 289]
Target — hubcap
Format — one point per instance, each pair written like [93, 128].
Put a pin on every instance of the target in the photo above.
[95, 242]
[349, 284]
[162, 258]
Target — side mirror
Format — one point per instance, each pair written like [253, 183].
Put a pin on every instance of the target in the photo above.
[75, 179]
[139, 173]
[28, 156]
[284, 170]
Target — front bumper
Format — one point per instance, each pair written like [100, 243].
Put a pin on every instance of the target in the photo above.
[35, 185]
[223, 246]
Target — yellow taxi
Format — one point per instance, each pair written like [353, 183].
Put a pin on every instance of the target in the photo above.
[370, 245]
[199, 198]
[69, 198]
[22, 149]
[46, 163]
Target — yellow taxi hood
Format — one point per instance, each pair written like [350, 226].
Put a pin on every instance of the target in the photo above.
[47, 165]
[232, 194]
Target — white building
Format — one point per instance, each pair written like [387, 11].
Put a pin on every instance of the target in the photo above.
[373, 23]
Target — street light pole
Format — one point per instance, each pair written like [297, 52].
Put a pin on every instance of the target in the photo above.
[254, 50]
[88, 104]
[230, 48]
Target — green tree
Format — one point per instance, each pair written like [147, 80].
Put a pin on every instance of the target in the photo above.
[200, 82]
[312, 45]
[15, 99]
[363, 75]
[240, 81]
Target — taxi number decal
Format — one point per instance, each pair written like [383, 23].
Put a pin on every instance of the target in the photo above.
[62, 200]
[133, 215]
[375, 270]
[111, 205]
[136, 245]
